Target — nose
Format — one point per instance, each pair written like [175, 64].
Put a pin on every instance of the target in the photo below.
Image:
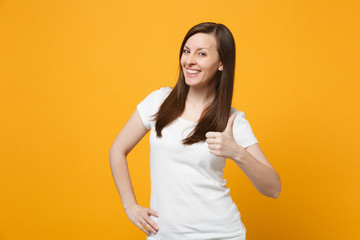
[190, 59]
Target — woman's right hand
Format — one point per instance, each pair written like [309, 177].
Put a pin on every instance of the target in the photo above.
[140, 216]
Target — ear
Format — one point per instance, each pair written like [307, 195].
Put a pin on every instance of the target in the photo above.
[220, 68]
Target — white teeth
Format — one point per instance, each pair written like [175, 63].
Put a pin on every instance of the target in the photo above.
[192, 71]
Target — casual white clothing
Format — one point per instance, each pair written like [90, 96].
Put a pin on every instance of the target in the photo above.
[187, 188]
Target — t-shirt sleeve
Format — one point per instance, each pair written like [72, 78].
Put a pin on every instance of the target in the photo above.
[151, 104]
[242, 131]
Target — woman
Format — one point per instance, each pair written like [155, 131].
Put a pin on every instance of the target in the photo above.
[194, 129]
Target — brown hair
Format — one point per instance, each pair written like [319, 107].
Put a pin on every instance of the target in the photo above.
[215, 116]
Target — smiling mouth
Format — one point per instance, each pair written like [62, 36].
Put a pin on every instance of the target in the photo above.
[192, 71]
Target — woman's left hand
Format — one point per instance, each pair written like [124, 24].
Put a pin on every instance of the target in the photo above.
[223, 144]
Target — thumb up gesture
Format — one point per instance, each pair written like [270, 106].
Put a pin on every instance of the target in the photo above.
[223, 144]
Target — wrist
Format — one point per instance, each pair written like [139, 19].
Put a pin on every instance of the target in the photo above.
[239, 153]
[129, 205]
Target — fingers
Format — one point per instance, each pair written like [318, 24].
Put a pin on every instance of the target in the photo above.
[229, 126]
[214, 147]
[215, 143]
[153, 225]
[146, 222]
[212, 140]
[216, 153]
[142, 228]
[140, 216]
[212, 134]
[153, 212]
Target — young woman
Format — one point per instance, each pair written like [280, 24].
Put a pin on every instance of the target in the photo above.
[193, 130]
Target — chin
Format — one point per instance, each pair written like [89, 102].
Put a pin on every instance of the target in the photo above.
[191, 83]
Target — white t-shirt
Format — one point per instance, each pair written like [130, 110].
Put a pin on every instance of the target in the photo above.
[187, 188]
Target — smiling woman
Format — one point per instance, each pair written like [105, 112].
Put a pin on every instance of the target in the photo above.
[194, 130]
[210, 49]
[200, 60]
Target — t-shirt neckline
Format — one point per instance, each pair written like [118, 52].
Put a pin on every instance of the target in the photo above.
[184, 120]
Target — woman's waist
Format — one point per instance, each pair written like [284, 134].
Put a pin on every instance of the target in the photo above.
[199, 224]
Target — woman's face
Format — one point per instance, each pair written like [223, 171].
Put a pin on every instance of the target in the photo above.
[200, 60]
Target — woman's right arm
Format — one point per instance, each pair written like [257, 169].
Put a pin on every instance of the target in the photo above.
[133, 131]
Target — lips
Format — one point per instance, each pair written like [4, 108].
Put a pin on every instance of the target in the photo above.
[191, 72]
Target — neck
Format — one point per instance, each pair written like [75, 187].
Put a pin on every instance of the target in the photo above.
[200, 95]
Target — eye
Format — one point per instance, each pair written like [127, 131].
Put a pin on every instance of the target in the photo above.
[186, 51]
[202, 54]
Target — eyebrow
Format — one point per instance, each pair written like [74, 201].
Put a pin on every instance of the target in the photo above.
[197, 49]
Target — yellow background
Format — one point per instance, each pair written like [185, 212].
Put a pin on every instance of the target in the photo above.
[72, 73]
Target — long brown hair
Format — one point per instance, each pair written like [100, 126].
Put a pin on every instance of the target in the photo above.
[215, 116]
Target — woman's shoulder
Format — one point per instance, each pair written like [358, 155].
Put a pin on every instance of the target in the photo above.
[150, 105]
[161, 92]
[164, 90]
[242, 130]
[237, 112]
[157, 96]
[240, 116]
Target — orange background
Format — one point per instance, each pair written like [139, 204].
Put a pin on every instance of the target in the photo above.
[72, 73]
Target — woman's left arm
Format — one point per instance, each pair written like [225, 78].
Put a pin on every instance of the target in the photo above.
[257, 168]
[251, 160]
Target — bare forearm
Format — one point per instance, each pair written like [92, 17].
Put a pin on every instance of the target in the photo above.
[120, 172]
[265, 179]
